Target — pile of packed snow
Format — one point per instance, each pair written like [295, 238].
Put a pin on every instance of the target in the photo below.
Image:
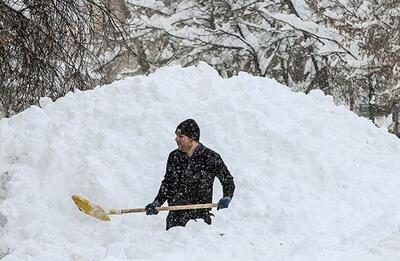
[314, 181]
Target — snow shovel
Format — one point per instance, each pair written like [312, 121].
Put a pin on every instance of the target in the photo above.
[98, 212]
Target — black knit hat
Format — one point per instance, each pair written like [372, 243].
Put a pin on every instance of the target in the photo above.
[189, 128]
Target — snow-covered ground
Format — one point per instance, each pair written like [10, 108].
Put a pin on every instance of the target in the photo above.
[314, 181]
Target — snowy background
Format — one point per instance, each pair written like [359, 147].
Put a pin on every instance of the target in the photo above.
[314, 181]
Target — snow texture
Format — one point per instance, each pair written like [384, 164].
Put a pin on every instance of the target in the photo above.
[313, 181]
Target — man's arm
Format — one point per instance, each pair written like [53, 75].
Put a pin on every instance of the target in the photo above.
[225, 177]
[164, 191]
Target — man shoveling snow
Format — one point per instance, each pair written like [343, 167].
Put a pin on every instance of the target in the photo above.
[190, 173]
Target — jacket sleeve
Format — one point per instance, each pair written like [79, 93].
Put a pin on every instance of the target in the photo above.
[165, 187]
[225, 177]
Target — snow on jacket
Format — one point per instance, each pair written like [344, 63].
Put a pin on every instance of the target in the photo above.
[189, 180]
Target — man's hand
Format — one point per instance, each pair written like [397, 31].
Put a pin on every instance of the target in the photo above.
[223, 203]
[151, 208]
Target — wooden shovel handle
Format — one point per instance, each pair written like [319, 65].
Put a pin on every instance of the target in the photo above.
[181, 207]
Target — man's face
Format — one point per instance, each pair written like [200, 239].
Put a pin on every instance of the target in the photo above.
[184, 142]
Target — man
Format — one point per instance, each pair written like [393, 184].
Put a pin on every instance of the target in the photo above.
[189, 178]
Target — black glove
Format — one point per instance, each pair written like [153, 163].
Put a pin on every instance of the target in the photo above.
[223, 203]
[151, 208]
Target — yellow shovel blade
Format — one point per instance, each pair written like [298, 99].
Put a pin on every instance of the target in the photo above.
[90, 209]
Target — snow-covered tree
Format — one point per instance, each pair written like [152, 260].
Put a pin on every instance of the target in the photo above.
[48, 48]
[370, 30]
[347, 48]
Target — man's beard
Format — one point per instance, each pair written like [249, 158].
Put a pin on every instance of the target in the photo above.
[184, 147]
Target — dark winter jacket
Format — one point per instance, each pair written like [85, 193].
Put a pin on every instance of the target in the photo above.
[190, 181]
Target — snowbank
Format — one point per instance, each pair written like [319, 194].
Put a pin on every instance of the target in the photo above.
[314, 181]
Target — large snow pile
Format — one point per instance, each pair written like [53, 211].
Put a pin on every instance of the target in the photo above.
[314, 181]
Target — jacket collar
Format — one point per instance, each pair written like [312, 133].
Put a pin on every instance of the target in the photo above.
[199, 150]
